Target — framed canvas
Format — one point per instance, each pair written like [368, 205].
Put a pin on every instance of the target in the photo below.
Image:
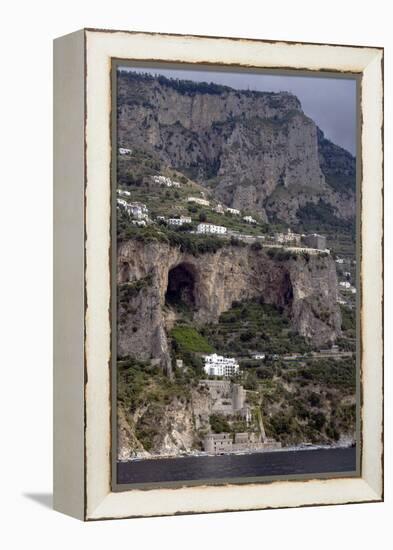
[218, 331]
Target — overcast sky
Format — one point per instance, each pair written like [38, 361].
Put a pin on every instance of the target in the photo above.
[330, 102]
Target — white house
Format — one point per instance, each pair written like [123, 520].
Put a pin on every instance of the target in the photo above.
[138, 210]
[234, 211]
[219, 209]
[163, 180]
[179, 221]
[258, 356]
[123, 202]
[217, 365]
[135, 209]
[345, 284]
[124, 151]
[339, 261]
[197, 200]
[249, 219]
[211, 228]
[123, 193]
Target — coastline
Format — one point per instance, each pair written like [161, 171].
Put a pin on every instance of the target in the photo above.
[197, 454]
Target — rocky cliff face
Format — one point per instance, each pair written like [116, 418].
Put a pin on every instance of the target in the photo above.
[256, 151]
[304, 287]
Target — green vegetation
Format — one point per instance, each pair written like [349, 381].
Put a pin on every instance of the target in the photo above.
[187, 338]
[140, 385]
[338, 166]
[254, 326]
[312, 401]
[127, 291]
[348, 316]
[332, 373]
[219, 423]
[321, 216]
[186, 242]
[347, 342]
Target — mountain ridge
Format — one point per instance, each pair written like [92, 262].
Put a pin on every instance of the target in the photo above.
[245, 146]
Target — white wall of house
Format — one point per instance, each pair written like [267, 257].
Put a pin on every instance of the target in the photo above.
[211, 228]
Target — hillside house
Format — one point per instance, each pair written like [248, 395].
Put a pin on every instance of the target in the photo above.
[138, 210]
[165, 181]
[233, 211]
[288, 237]
[217, 365]
[258, 356]
[345, 284]
[219, 209]
[249, 219]
[124, 151]
[123, 203]
[123, 193]
[179, 221]
[198, 200]
[210, 228]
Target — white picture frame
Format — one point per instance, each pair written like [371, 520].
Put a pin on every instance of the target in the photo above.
[82, 242]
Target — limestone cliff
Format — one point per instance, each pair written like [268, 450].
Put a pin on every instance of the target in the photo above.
[303, 286]
[256, 151]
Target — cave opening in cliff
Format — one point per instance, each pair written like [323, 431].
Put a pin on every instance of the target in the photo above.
[181, 287]
[286, 292]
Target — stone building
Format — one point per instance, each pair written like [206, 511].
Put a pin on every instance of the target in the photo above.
[288, 237]
[223, 443]
[315, 241]
[228, 399]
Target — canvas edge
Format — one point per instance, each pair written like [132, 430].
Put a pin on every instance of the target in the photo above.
[68, 274]
[102, 502]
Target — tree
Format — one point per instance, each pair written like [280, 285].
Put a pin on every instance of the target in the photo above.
[202, 216]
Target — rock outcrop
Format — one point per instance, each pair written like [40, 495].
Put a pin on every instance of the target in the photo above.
[305, 287]
[256, 151]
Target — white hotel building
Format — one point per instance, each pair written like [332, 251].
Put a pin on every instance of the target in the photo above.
[211, 228]
[179, 221]
[217, 365]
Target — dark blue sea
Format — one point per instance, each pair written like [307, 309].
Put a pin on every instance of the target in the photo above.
[267, 464]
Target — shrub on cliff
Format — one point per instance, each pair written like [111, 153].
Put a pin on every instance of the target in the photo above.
[219, 424]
